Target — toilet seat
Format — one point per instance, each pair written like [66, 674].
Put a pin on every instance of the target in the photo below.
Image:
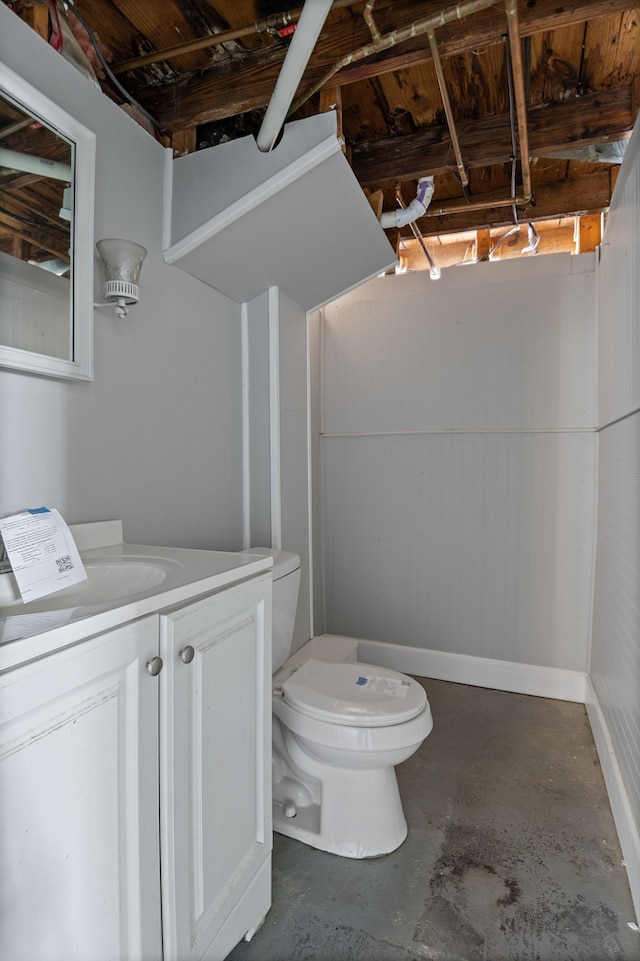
[356, 695]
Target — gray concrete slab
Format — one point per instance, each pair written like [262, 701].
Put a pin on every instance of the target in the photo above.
[512, 853]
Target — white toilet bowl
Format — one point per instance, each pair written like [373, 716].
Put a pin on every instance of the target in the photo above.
[339, 731]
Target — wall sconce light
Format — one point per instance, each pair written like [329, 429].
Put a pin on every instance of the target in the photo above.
[122, 260]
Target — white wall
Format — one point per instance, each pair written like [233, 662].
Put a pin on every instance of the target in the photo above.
[257, 389]
[314, 351]
[156, 438]
[294, 475]
[614, 701]
[458, 453]
[276, 401]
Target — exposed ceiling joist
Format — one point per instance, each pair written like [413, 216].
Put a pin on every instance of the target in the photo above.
[574, 195]
[205, 73]
[231, 87]
[579, 122]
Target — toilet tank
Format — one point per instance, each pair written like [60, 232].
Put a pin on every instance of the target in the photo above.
[286, 581]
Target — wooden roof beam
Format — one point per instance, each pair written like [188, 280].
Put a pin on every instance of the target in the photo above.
[227, 89]
[573, 196]
[594, 118]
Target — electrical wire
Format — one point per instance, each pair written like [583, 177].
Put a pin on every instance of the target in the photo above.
[514, 145]
[463, 187]
[509, 233]
[107, 69]
[534, 240]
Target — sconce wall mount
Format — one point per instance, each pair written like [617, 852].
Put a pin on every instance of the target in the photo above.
[122, 261]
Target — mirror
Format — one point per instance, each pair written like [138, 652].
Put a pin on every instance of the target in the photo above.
[46, 234]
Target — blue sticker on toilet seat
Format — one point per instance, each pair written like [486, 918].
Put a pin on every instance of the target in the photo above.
[397, 687]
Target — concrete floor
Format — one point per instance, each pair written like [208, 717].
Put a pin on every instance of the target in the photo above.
[512, 853]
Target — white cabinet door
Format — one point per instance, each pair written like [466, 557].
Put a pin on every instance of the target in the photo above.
[79, 803]
[215, 770]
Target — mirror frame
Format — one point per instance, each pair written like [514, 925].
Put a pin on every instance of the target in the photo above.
[80, 366]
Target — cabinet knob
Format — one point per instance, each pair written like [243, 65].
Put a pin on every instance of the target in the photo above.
[154, 666]
[187, 654]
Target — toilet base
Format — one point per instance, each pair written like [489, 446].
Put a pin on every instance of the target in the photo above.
[305, 824]
[352, 813]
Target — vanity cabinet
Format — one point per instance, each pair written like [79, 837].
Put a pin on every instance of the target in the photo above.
[79, 811]
[215, 771]
[135, 814]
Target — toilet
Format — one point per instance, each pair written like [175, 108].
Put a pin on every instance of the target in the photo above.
[339, 729]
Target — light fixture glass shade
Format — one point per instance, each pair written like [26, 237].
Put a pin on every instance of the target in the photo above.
[122, 260]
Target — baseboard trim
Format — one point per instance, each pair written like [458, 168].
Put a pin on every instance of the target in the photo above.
[628, 834]
[531, 679]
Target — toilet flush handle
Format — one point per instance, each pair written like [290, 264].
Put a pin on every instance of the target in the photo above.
[187, 654]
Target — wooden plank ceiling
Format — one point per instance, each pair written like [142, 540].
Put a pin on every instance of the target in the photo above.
[577, 64]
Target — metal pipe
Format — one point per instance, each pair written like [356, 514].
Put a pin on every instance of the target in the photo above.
[446, 102]
[511, 7]
[14, 127]
[388, 40]
[367, 13]
[274, 22]
[310, 24]
[515, 53]
[189, 46]
[460, 206]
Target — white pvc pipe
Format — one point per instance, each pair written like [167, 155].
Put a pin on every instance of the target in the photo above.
[417, 207]
[28, 163]
[314, 13]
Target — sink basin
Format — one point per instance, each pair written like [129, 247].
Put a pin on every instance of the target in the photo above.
[108, 579]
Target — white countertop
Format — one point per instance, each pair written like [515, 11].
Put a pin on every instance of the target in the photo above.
[28, 634]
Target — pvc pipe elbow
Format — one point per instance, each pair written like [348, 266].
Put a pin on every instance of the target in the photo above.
[417, 207]
[403, 215]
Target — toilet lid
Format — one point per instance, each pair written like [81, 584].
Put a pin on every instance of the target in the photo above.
[354, 694]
